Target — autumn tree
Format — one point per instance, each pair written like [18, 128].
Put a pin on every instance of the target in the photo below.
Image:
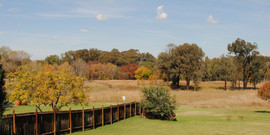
[129, 70]
[102, 71]
[244, 52]
[79, 67]
[10, 59]
[142, 73]
[54, 86]
[264, 91]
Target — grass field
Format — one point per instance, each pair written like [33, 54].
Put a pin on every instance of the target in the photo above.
[193, 121]
[210, 110]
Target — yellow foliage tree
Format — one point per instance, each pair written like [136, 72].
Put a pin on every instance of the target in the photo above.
[142, 73]
[56, 86]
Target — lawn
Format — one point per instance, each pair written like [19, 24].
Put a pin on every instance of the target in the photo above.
[31, 108]
[193, 121]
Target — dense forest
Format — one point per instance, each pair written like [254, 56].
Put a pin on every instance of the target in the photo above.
[179, 62]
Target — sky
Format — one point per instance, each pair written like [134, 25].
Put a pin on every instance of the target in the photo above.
[47, 27]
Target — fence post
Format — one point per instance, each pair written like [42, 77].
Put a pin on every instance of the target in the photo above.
[14, 124]
[111, 113]
[70, 121]
[83, 119]
[130, 109]
[102, 116]
[54, 121]
[93, 117]
[140, 110]
[118, 113]
[135, 108]
[124, 110]
[36, 122]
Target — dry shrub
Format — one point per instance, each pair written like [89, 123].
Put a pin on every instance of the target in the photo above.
[264, 92]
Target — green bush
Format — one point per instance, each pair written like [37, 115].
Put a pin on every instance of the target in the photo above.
[158, 103]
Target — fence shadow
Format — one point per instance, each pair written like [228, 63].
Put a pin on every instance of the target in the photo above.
[262, 111]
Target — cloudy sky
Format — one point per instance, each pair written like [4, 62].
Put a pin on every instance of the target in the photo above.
[45, 27]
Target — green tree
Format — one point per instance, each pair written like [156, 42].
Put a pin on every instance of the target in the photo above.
[183, 59]
[53, 59]
[158, 103]
[258, 68]
[190, 57]
[224, 69]
[244, 52]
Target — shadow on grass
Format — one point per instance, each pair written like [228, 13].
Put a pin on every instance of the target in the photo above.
[262, 111]
[184, 87]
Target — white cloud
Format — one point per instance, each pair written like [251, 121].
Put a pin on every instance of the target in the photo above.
[84, 31]
[211, 20]
[12, 9]
[101, 17]
[54, 37]
[160, 13]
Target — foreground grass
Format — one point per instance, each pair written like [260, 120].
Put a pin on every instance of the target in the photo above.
[193, 121]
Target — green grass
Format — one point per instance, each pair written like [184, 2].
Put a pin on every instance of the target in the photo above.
[193, 121]
[31, 108]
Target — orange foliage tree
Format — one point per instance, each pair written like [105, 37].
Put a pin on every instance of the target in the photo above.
[129, 69]
[264, 92]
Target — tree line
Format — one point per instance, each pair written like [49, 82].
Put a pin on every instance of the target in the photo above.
[188, 62]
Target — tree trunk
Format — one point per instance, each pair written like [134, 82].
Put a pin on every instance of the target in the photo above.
[175, 82]
[188, 82]
[254, 85]
[239, 85]
[225, 84]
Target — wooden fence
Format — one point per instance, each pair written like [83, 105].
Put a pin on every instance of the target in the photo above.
[47, 123]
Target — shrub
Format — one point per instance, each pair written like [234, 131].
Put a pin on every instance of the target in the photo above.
[158, 103]
[264, 92]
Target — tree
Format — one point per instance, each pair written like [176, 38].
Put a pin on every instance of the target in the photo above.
[224, 69]
[206, 70]
[79, 66]
[129, 69]
[10, 59]
[68, 56]
[244, 52]
[158, 103]
[258, 68]
[102, 71]
[53, 59]
[2, 91]
[142, 73]
[183, 59]
[190, 57]
[264, 92]
[56, 86]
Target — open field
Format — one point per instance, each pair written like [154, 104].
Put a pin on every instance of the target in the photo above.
[193, 121]
[210, 95]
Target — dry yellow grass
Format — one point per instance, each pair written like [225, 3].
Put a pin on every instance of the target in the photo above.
[210, 94]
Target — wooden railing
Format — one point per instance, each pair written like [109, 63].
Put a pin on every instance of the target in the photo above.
[66, 121]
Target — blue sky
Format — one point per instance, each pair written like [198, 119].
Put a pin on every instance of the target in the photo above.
[45, 27]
